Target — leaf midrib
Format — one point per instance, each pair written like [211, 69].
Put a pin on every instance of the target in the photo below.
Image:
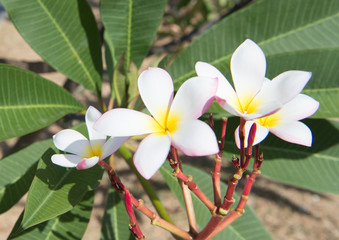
[75, 53]
[8, 107]
[216, 61]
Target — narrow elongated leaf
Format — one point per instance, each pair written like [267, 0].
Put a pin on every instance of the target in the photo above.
[131, 26]
[17, 172]
[64, 34]
[116, 221]
[248, 226]
[29, 102]
[315, 168]
[70, 225]
[280, 26]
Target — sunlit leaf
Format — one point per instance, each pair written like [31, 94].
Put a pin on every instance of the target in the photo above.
[64, 34]
[29, 102]
[131, 26]
[70, 225]
[17, 172]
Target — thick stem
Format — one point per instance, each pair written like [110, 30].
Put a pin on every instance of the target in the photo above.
[242, 141]
[250, 142]
[232, 183]
[240, 208]
[227, 221]
[209, 228]
[218, 162]
[216, 180]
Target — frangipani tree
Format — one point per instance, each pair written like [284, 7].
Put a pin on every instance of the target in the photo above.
[297, 35]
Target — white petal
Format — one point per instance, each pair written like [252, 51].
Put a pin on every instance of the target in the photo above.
[248, 67]
[87, 163]
[71, 141]
[294, 132]
[260, 135]
[285, 86]
[92, 115]
[195, 138]
[302, 106]
[156, 90]
[151, 154]
[260, 109]
[225, 95]
[112, 145]
[122, 122]
[194, 97]
[66, 160]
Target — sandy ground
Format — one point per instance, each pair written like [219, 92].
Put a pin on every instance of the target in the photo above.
[286, 211]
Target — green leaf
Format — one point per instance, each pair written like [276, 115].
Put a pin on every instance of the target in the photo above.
[324, 84]
[119, 83]
[64, 34]
[29, 102]
[315, 168]
[116, 221]
[17, 172]
[278, 27]
[125, 86]
[71, 225]
[56, 190]
[248, 226]
[131, 26]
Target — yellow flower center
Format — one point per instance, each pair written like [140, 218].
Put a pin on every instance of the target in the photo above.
[269, 121]
[247, 105]
[170, 124]
[94, 150]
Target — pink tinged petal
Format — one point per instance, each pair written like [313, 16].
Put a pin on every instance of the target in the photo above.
[122, 122]
[92, 115]
[87, 163]
[112, 145]
[194, 97]
[194, 138]
[71, 141]
[293, 132]
[260, 135]
[286, 86]
[302, 106]
[66, 160]
[248, 67]
[151, 154]
[156, 90]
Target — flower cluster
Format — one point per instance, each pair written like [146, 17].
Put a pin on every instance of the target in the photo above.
[274, 105]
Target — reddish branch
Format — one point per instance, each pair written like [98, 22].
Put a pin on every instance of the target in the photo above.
[218, 162]
[138, 204]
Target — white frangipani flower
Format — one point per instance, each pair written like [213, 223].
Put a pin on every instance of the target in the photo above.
[254, 96]
[173, 121]
[284, 123]
[85, 153]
